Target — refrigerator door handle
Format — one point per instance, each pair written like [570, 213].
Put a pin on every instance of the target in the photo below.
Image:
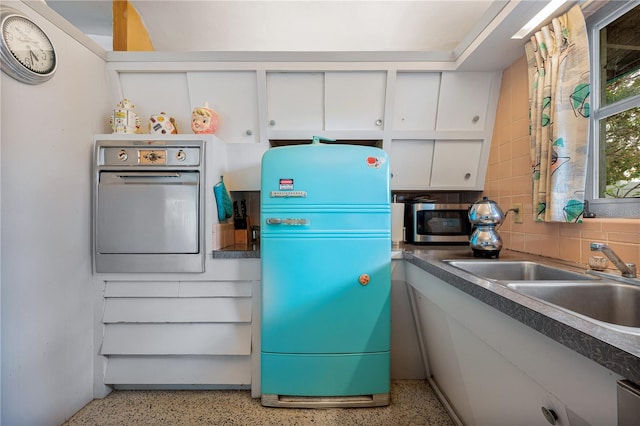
[290, 222]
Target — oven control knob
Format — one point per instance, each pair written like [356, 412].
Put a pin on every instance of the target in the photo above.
[122, 155]
[152, 156]
[181, 155]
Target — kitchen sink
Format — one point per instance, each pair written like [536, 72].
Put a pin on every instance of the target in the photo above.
[614, 303]
[518, 270]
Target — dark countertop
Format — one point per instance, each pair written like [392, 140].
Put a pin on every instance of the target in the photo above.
[238, 251]
[615, 349]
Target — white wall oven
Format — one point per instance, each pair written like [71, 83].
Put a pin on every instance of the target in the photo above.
[148, 206]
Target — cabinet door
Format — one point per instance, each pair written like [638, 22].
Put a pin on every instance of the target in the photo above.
[243, 166]
[143, 89]
[233, 96]
[455, 163]
[512, 398]
[443, 365]
[406, 360]
[410, 162]
[355, 100]
[497, 358]
[463, 101]
[483, 386]
[295, 100]
[416, 100]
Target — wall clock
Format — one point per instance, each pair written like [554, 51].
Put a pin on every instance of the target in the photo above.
[26, 51]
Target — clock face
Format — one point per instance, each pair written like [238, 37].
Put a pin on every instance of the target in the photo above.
[29, 45]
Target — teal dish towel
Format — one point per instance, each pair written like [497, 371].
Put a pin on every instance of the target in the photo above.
[223, 201]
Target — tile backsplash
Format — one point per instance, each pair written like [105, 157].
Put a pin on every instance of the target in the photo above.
[509, 182]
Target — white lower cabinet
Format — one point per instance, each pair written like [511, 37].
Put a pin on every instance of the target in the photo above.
[144, 371]
[406, 363]
[494, 370]
[164, 333]
[484, 387]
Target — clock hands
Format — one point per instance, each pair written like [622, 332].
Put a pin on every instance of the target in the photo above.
[33, 55]
[32, 47]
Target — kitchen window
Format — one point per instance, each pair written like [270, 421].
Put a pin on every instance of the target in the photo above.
[613, 184]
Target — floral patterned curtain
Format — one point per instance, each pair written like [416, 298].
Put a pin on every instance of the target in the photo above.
[558, 63]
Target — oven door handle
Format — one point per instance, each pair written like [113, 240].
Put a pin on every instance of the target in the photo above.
[158, 177]
[147, 174]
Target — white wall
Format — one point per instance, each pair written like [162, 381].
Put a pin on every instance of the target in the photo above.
[46, 281]
[1, 363]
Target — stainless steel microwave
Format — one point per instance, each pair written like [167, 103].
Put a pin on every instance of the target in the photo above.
[434, 223]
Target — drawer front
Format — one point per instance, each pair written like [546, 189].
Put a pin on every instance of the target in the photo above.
[178, 370]
[177, 339]
[172, 310]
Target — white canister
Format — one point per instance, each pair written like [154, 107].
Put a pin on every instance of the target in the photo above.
[397, 223]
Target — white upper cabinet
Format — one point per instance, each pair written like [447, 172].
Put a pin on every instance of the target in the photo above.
[233, 96]
[455, 164]
[418, 164]
[411, 162]
[326, 101]
[295, 100]
[436, 126]
[355, 100]
[464, 99]
[416, 100]
[442, 129]
[153, 93]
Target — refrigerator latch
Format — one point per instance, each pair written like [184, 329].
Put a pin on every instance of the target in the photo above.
[294, 222]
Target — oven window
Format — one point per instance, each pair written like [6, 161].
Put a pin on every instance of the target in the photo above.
[442, 223]
[148, 213]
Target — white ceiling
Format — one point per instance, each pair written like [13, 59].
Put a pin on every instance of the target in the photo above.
[439, 30]
[310, 25]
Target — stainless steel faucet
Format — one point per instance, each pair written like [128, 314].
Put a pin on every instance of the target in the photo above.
[626, 269]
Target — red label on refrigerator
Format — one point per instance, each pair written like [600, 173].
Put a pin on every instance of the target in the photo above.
[375, 162]
[286, 184]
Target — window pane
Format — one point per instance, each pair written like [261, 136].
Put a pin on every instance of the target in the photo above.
[620, 155]
[620, 57]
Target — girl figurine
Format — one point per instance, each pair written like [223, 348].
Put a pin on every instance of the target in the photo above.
[124, 119]
[204, 120]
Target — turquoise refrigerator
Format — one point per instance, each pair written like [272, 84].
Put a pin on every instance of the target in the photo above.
[326, 276]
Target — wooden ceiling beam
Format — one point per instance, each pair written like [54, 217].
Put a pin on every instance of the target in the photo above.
[129, 32]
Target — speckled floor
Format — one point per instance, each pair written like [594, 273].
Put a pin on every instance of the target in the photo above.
[412, 403]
